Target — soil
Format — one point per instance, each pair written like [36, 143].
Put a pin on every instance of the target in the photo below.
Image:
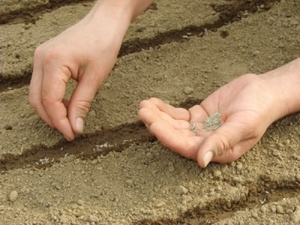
[116, 172]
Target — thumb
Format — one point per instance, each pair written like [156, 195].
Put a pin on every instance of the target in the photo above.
[223, 145]
[80, 102]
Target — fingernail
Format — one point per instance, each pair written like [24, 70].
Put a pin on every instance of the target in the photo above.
[208, 157]
[79, 124]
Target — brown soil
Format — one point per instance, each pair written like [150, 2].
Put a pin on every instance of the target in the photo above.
[116, 172]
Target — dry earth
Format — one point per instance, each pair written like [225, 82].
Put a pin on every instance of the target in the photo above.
[117, 173]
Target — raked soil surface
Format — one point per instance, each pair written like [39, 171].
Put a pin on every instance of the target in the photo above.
[116, 172]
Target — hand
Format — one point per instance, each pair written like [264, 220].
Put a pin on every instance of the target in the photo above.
[247, 105]
[86, 52]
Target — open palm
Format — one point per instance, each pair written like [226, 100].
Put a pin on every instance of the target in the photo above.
[246, 106]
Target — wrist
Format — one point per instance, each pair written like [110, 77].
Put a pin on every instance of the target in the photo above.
[128, 8]
[110, 17]
[119, 12]
[285, 84]
[113, 17]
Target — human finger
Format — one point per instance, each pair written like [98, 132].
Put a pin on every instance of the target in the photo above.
[175, 113]
[82, 98]
[219, 146]
[150, 116]
[183, 142]
[200, 112]
[53, 91]
[35, 88]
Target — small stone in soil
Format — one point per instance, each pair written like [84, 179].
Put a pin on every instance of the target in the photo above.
[94, 219]
[180, 190]
[188, 90]
[13, 196]
[8, 127]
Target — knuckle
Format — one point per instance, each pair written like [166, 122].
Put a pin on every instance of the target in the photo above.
[39, 51]
[47, 102]
[250, 76]
[223, 144]
[83, 106]
[48, 56]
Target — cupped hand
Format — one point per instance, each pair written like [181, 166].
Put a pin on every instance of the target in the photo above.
[86, 52]
[247, 105]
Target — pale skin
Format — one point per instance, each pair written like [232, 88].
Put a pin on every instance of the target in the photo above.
[87, 51]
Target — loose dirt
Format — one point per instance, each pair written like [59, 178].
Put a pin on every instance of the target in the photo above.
[116, 172]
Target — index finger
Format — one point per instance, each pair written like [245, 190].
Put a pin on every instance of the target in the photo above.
[35, 88]
[53, 91]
